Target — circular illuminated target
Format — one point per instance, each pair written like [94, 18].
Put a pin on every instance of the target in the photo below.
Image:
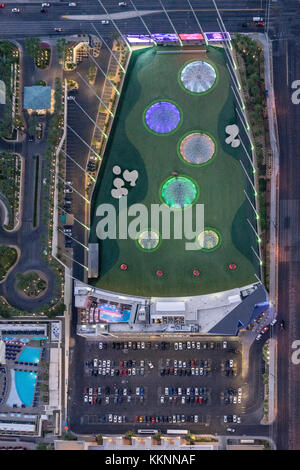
[179, 192]
[162, 117]
[198, 76]
[209, 239]
[148, 240]
[197, 148]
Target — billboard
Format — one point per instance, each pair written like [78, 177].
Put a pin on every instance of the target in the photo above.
[191, 37]
[139, 38]
[218, 36]
[165, 37]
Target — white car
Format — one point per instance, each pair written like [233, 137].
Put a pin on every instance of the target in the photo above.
[107, 400]
[198, 344]
[162, 400]
[240, 391]
[176, 346]
[133, 371]
[142, 345]
[188, 391]
[180, 364]
[239, 399]
[100, 345]
[183, 400]
[46, 4]
[15, 10]
[166, 391]
[225, 418]
[179, 391]
[122, 4]
[193, 345]
[273, 322]
[201, 370]
[239, 420]
[180, 346]
[196, 391]
[115, 418]
[150, 365]
[137, 390]
[104, 22]
[142, 363]
[175, 362]
[110, 418]
[258, 337]
[86, 398]
[231, 363]
[234, 418]
[188, 345]
[230, 430]
[234, 399]
[196, 419]
[224, 344]
[72, 4]
[90, 391]
[124, 392]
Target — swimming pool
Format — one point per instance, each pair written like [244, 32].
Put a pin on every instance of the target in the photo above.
[30, 355]
[25, 384]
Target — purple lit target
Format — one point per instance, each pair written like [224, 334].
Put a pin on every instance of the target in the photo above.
[162, 117]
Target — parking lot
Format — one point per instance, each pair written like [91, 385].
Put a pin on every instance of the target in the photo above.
[140, 385]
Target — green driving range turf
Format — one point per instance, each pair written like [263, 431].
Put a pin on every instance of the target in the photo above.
[153, 77]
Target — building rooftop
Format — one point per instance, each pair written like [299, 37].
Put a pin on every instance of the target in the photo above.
[37, 97]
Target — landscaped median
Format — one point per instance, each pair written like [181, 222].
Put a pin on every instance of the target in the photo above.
[250, 60]
[8, 258]
[10, 185]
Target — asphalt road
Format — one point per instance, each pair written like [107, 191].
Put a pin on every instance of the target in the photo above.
[287, 69]
[30, 21]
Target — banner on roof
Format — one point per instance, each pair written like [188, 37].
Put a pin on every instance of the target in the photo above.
[191, 37]
[218, 36]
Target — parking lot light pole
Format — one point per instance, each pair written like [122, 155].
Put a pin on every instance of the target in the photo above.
[75, 261]
[84, 142]
[143, 21]
[89, 117]
[102, 71]
[258, 239]
[114, 23]
[75, 240]
[247, 153]
[92, 89]
[79, 166]
[64, 181]
[249, 200]
[255, 193]
[110, 50]
[171, 23]
[81, 223]
[198, 23]
[259, 259]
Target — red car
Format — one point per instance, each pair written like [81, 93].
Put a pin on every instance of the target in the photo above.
[94, 400]
[95, 391]
[121, 363]
[2, 5]
[192, 363]
[137, 418]
[153, 419]
[125, 372]
[121, 371]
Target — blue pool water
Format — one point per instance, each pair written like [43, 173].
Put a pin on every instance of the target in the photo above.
[25, 384]
[39, 338]
[30, 355]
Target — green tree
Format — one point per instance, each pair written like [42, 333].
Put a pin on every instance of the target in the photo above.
[32, 46]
